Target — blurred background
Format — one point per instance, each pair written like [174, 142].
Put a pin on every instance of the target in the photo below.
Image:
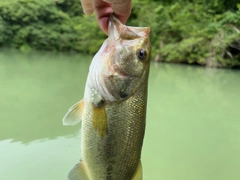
[193, 119]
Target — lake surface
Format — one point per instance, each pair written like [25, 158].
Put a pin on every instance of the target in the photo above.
[193, 120]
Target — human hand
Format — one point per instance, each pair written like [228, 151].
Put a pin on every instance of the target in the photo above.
[103, 8]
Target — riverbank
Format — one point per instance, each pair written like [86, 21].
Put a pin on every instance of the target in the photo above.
[204, 33]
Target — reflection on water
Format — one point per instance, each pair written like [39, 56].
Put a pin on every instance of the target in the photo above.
[193, 127]
[35, 92]
[39, 159]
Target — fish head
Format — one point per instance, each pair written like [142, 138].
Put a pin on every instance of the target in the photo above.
[123, 61]
[129, 48]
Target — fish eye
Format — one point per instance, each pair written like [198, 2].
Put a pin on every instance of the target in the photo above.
[141, 54]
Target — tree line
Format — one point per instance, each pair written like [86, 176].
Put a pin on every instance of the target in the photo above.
[185, 31]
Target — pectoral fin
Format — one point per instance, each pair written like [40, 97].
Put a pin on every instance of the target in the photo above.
[78, 172]
[138, 173]
[74, 114]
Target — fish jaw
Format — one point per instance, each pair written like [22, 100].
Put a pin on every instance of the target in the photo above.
[117, 30]
[98, 72]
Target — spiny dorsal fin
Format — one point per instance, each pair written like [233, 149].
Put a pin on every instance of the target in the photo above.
[74, 114]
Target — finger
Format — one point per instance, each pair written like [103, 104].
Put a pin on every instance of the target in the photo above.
[87, 6]
[121, 8]
[103, 10]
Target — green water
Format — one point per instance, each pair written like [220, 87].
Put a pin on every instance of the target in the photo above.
[193, 120]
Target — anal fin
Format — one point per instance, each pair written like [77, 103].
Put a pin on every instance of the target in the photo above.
[78, 172]
[138, 173]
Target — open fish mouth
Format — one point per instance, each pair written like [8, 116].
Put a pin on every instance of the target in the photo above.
[117, 30]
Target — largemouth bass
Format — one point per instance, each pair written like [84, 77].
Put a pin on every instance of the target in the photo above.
[113, 110]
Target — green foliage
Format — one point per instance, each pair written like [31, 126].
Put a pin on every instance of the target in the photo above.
[200, 32]
[48, 25]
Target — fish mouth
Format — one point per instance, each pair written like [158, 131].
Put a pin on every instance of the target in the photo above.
[117, 30]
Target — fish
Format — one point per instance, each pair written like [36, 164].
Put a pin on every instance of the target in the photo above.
[113, 110]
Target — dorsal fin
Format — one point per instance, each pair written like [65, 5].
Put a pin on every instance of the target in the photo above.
[74, 114]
